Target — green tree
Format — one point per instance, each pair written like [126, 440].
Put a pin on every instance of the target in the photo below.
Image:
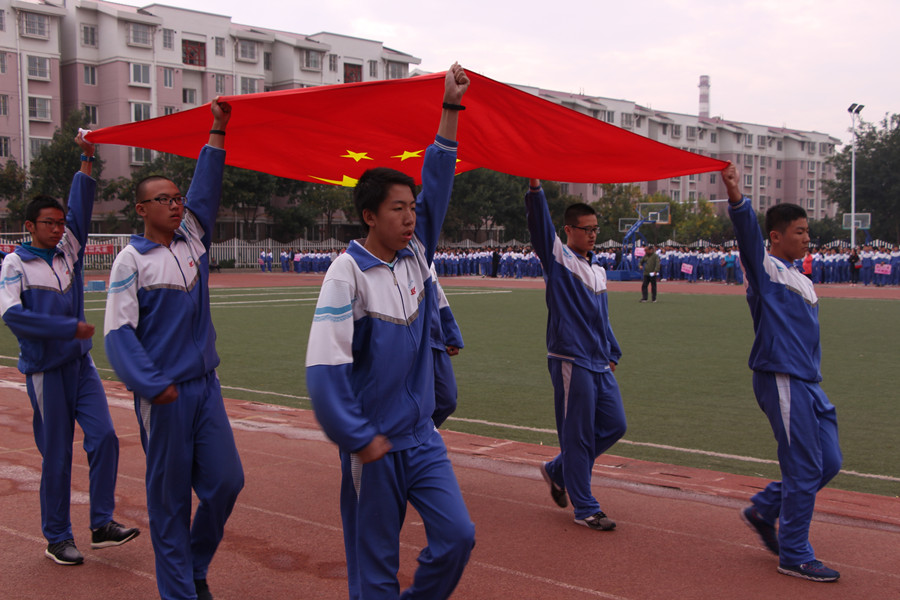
[317, 200]
[52, 169]
[13, 183]
[483, 198]
[877, 176]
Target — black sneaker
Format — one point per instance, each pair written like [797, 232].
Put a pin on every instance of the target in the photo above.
[202, 590]
[598, 522]
[113, 534]
[557, 493]
[813, 571]
[767, 534]
[64, 553]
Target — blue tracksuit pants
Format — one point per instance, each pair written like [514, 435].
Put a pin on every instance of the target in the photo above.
[59, 397]
[805, 427]
[590, 418]
[374, 497]
[189, 445]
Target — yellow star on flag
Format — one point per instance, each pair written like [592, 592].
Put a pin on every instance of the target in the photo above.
[346, 181]
[407, 154]
[357, 156]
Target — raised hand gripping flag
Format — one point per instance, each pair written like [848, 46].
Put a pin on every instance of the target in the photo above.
[331, 134]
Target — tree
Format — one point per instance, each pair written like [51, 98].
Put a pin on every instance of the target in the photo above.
[13, 183]
[324, 200]
[482, 199]
[52, 169]
[877, 176]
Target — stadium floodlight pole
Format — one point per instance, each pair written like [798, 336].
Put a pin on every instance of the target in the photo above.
[854, 111]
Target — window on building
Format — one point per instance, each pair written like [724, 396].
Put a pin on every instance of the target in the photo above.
[748, 139]
[564, 189]
[189, 95]
[90, 75]
[37, 145]
[168, 77]
[627, 120]
[2, 62]
[246, 50]
[777, 184]
[4, 105]
[748, 160]
[38, 108]
[267, 61]
[692, 178]
[691, 132]
[169, 110]
[38, 67]
[4, 147]
[88, 35]
[748, 180]
[676, 131]
[220, 46]
[762, 180]
[140, 34]
[676, 195]
[761, 141]
[333, 63]
[713, 137]
[811, 203]
[2, 21]
[220, 84]
[140, 156]
[373, 68]
[397, 70]
[812, 166]
[140, 74]
[611, 117]
[312, 60]
[692, 196]
[169, 39]
[811, 185]
[140, 111]
[779, 146]
[248, 85]
[90, 110]
[712, 177]
[777, 164]
[193, 53]
[34, 25]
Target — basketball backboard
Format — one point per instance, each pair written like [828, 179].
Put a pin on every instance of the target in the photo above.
[863, 220]
[655, 212]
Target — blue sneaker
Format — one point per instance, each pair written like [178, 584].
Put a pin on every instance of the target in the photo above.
[814, 570]
[767, 534]
[557, 493]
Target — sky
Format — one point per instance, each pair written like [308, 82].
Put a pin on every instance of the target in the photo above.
[792, 63]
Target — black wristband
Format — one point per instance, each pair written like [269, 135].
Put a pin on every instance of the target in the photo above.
[86, 158]
[217, 131]
[450, 106]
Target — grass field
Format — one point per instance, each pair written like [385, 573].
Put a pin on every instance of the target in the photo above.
[684, 374]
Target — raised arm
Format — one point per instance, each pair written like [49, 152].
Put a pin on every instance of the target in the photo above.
[751, 244]
[456, 82]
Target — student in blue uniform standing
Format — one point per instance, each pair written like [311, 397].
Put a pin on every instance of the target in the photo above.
[161, 343]
[369, 369]
[582, 354]
[42, 303]
[785, 360]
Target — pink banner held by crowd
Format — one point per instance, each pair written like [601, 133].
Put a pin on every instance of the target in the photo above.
[332, 134]
[99, 249]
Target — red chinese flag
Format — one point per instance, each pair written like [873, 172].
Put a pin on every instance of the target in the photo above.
[331, 134]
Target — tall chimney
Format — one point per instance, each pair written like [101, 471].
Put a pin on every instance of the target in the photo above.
[704, 96]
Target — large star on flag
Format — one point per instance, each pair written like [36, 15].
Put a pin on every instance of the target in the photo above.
[306, 133]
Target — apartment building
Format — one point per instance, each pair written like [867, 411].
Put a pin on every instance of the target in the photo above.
[776, 164]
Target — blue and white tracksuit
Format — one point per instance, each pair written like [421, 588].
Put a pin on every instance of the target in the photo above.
[785, 360]
[444, 332]
[42, 306]
[369, 371]
[590, 417]
[159, 332]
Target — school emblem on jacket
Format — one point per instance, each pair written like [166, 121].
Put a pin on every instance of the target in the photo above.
[412, 287]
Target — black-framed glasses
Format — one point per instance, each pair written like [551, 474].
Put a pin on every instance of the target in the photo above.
[587, 230]
[166, 200]
[52, 223]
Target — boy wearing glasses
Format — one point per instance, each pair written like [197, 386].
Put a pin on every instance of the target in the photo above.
[161, 343]
[42, 302]
[582, 354]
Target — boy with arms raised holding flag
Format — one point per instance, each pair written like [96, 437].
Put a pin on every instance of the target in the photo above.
[785, 359]
[371, 379]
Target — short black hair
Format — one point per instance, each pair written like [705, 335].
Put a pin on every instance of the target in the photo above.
[39, 203]
[148, 179]
[576, 211]
[373, 186]
[781, 215]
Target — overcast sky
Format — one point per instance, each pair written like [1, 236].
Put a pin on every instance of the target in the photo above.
[794, 63]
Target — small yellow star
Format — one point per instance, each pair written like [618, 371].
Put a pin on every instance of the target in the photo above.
[357, 156]
[345, 181]
[407, 154]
